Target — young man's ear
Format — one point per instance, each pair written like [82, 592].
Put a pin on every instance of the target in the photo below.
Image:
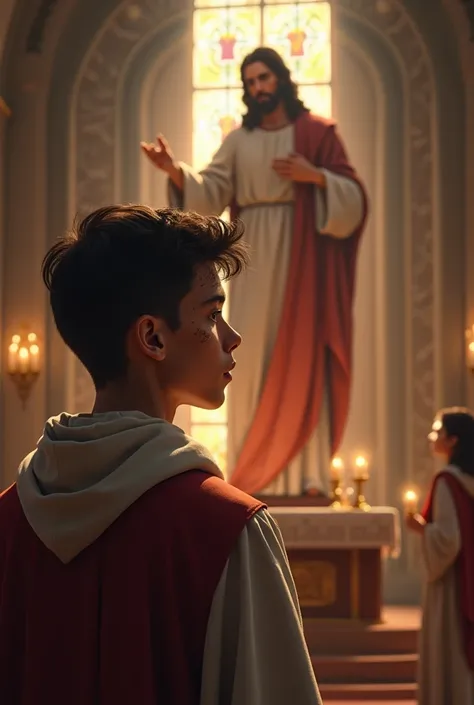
[149, 336]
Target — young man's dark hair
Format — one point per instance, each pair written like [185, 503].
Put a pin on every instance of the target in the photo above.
[130, 571]
[121, 262]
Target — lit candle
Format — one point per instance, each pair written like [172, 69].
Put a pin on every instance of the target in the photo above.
[23, 359]
[470, 356]
[34, 354]
[361, 468]
[12, 357]
[337, 469]
[410, 502]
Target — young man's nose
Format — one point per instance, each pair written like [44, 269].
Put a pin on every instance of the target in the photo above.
[233, 340]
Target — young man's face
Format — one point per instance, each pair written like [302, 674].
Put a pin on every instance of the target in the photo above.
[198, 361]
[262, 87]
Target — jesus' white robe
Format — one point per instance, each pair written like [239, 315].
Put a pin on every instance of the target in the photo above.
[242, 170]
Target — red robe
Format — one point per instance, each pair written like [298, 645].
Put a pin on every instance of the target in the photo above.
[464, 565]
[125, 621]
[316, 318]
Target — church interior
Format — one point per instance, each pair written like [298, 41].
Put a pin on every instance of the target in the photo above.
[83, 82]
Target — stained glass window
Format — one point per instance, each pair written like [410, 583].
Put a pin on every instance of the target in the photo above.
[224, 32]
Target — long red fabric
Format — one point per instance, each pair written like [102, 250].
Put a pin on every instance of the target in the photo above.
[126, 620]
[316, 317]
[464, 565]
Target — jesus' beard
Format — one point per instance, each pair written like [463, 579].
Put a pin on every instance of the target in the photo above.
[266, 103]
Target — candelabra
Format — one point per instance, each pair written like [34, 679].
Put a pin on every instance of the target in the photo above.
[23, 363]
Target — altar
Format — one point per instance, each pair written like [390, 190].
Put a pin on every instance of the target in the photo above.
[336, 558]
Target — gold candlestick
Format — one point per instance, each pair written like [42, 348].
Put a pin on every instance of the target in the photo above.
[336, 493]
[361, 476]
[337, 469]
[360, 501]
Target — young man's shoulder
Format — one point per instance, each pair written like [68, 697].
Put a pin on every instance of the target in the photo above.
[9, 500]
[203, 492]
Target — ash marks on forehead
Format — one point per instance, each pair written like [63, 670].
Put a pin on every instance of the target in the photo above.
[202, 335]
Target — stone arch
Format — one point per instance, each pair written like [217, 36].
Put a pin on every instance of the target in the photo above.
[382, 68]
[95, 128]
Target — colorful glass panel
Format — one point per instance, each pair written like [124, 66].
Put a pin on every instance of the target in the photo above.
[222, 37]
[317, 98]
[215, 114]
[301, 33]
[225, 3]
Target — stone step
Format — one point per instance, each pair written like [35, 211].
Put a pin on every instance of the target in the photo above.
[393, 668]
[381, 693]
[348, 638]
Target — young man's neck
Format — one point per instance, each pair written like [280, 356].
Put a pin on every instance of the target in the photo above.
[120, 396]
[275, 120]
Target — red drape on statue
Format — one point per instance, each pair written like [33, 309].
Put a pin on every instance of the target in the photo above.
[464, 564]
[316, 316]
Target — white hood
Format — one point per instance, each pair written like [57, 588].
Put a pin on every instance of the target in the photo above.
[87, 469]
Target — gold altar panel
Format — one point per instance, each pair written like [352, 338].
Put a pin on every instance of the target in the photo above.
[316, 582]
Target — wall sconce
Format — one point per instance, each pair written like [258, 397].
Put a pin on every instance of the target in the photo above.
[470, 349]
[23, 363]
[4, 108]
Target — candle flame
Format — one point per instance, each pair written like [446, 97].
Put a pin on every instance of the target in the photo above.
[410, 496]
[337, 463]
[360, 461]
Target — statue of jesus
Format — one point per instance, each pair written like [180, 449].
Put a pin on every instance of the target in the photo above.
[285, 173]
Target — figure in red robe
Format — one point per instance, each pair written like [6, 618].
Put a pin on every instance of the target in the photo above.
[287, 176]
[446, 525]
[130, 571]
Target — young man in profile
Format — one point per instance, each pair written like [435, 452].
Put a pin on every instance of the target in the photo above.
[130, 571]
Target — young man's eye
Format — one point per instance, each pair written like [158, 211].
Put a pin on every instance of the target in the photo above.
[215, 315]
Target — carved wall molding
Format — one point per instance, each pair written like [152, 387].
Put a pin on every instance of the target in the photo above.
[468, 6]
[35, 38]
[391, 20]
[95, 143]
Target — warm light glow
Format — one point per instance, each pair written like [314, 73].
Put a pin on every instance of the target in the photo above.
[23, 354]
[361, 466]
[470, 348]
[337, 468]
[410, 501]
[23, 363]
